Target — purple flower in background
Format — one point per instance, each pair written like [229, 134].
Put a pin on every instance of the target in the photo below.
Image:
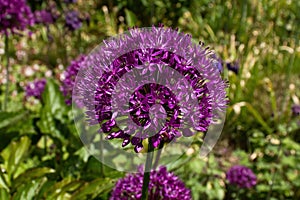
[163, 185]
[35, 88]
[70, 1]
[73, 21]
[15, 15]
[241, 176]
[233, 67]
[296, 110]
[69, 76]
[43, 17]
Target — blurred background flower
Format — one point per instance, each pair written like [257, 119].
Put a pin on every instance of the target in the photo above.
[296, 110]
[35, 88]
[15, 15]
[44, 17]
[241, 176]
[163, 185]
[68, 78]
[73, 21]
[234, 67]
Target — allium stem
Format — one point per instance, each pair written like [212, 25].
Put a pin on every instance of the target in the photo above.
[101, 156]
[7, 72]
[147, 172]
[158, 155]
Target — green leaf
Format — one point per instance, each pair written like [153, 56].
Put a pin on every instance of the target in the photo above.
[14, 154]
[61, 189]
[10, 118]
[6, 138]
[54, 108]
[93, 189]
[53, 100]
[30, 190]
[4, 194]
[54, 190]
[31, 174]
[130, 18]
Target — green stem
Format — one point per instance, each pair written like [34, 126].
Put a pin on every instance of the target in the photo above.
[7, 73]
[101, 157]
[147, 172]
[158, 154]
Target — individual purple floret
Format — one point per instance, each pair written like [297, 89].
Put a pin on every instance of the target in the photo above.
[15, 15]
[35, 88]
[162, 185]
[73, 21]
[296, 110]
[69, 76]
[241, 176]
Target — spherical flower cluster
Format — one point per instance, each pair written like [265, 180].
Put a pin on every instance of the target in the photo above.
[241, 176]
[15, 15]
[141, 101]
[162, 185]
[68, 79]
[149, 51]
[35, 88]
[73, 21]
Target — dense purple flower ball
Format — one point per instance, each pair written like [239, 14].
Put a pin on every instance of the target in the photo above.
[44, 17]
[14, 15]
[241, 176]
[68, 79]
[73, 21]
[163, 185]
[296, 110]
[35, 88]
[150, 52]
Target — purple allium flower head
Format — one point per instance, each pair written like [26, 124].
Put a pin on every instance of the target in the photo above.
[15, 15]
[162, 185]
[69, 76]
[154, 59]
[241, 176]
[296, 110]
[35, 88]
[233, 67]
[43, 17]
[73, 21]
